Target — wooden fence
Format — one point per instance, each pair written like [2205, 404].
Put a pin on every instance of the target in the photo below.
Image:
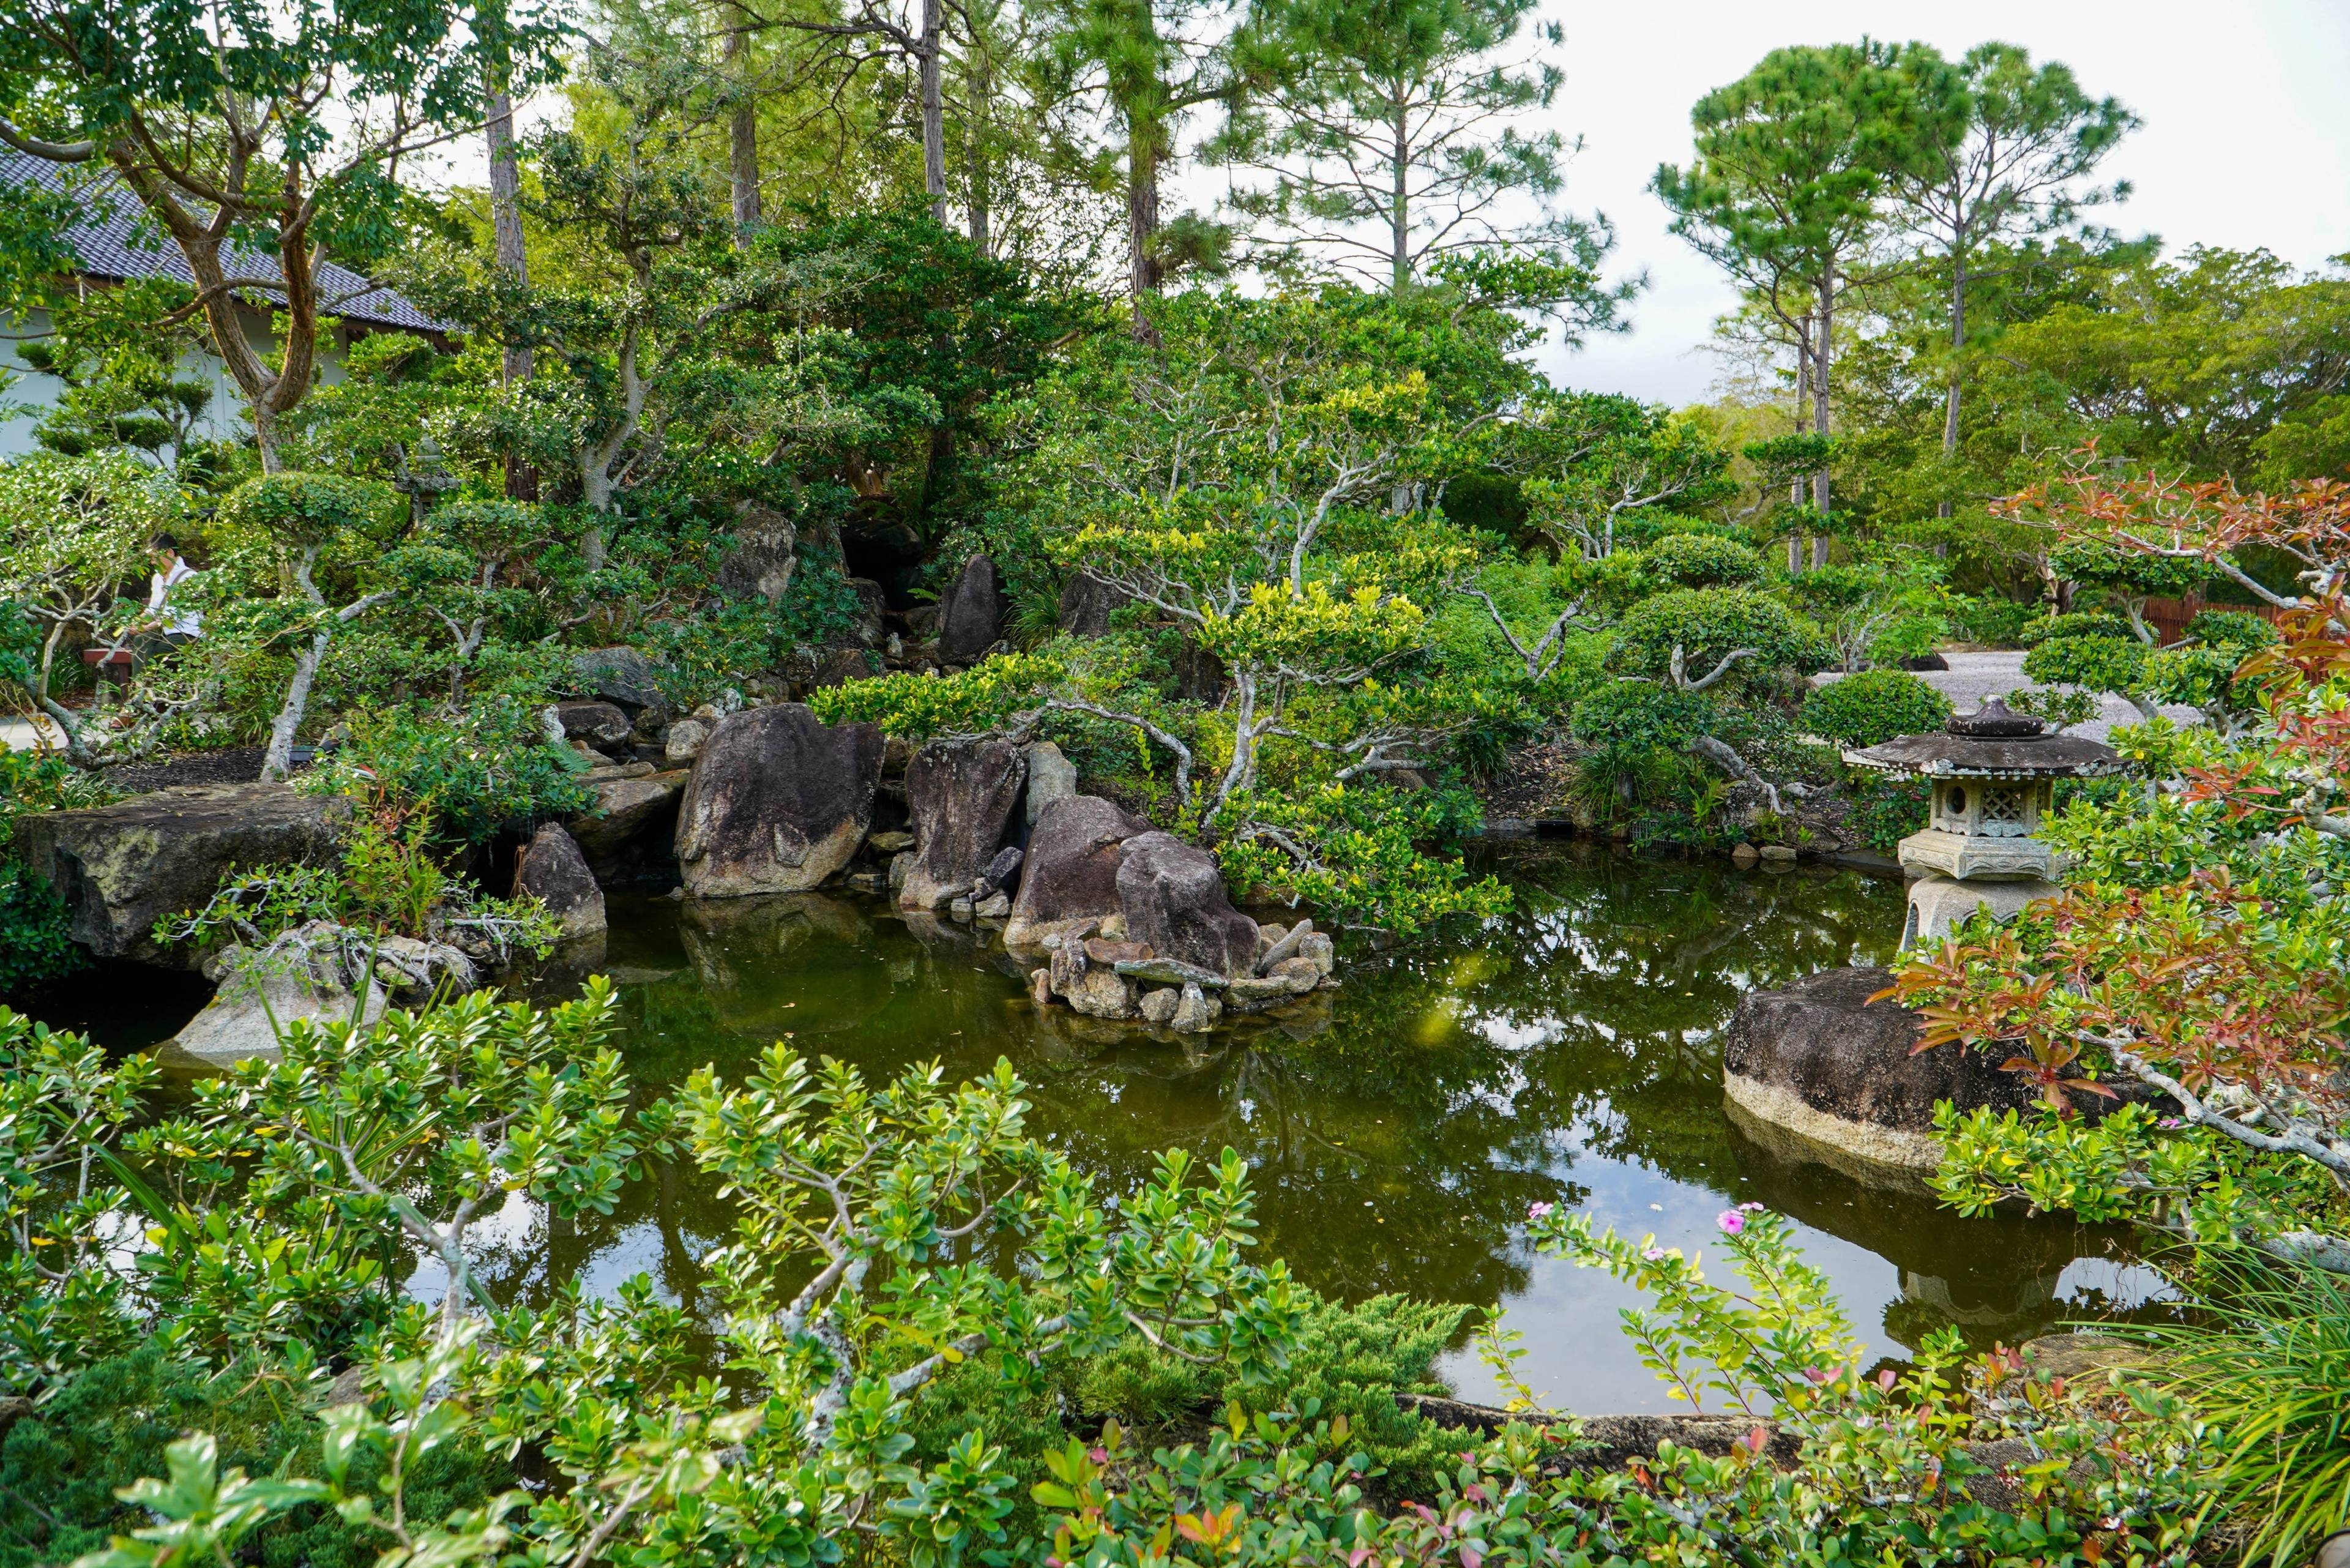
[2169, 617]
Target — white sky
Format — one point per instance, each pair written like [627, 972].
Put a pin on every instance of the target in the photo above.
[2246, 139]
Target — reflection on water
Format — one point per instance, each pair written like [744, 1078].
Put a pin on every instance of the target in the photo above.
[1567, 1053]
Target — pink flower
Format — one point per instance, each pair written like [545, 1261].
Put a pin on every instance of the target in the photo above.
[1654, 1254]
[1538, 1212]
[1750, 1207]
[1731, 1220]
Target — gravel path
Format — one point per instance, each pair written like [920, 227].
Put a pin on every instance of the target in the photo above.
[1972, 677]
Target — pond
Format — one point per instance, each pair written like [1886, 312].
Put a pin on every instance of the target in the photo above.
[1566, 1053]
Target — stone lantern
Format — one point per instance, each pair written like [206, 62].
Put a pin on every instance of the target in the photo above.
[1994, 773]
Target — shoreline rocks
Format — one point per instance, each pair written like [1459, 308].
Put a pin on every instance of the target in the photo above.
[963, 795]
[120, 867]
[1818, 1059]
[776, 803]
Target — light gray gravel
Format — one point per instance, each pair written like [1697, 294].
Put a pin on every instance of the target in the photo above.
[1972, 677]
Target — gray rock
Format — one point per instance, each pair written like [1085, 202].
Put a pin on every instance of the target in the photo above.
[1169, 971]
[776, 803]
[1051, 778]
[890, 842]
[867, 631]
[628, 804]
[120, 867]
[1001, 873]
[1282, 944]
[959, 907]
[1069, 877]
[313, 973]
[1319, 951]
[551, 869]
[902, 865]
[1158, 1006]
[416, 972]
[619, 675]
[1099, 993]
[961, 795]
[1087, 604]
[764, 558]
[1196, 1013]
[597, 723]
[1300, 974]
[994, 907]
[971, 613]
[683, 741]
[1819, 1059]
[1173, 898]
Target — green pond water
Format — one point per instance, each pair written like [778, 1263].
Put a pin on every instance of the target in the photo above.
[1568, 1054]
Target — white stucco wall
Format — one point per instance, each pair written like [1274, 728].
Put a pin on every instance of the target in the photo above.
[33, 394]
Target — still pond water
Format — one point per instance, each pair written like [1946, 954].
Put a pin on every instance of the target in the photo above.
[1568, 1054]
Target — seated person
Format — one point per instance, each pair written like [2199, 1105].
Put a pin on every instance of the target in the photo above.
[169, 624]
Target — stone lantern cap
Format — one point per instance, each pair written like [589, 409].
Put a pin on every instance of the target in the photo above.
[1991, 743]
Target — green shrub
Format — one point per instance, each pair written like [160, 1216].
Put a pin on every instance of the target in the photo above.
[35, 946]
[486, 769]
[2232, 629]
[1994, 618]
[61, 1465]
[1708, 625]
[1885, 810]
[1701, 561]
[2076, 623]
[1873, 707]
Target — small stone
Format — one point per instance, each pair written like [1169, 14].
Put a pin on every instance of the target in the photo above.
[890, 843]
[994, 907]
[1268, 937]
[1040, 987]
[1319, 951]
[1158, 1006]
[899, 867]
[1780, 854]
[1299, 972]
[1744, 856]
[959, 907]
[867, 881]
[1196, 1013]
[1250, 990]
[1051, 778]
[1171, 972]
[683, 741]
[1112, 927]
[1102, 993]
[1103, 952]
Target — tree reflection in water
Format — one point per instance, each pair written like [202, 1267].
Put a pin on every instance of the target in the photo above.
[1568, 1054]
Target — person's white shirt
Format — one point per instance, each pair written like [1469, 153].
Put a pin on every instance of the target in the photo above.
[176, 618]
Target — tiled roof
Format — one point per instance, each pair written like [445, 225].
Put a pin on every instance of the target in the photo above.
[107, 240]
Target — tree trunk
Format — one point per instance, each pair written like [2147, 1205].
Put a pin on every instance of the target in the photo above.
[1803, 426]
[934, 111]
[980, 194]
[505, 232]
[278, 762]
[1400, 203]
[1823, 355]
[1142, 219]
[1957, 352]
[743, 131]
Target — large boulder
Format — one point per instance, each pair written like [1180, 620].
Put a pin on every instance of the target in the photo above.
[1087, 604]
[632, 833]
[314, 971]
[1819, 1059]
[869, 628]
[551, 869]
[618, 674]
[600, 723]
[764, 558]
[1051, 778]
[961, 795]
[1069, 878]
[1172, 896]
[120, 867]
[971, 613]
[776, 803]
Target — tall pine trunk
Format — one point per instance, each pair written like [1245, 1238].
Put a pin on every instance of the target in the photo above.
[1824, 352]
[505, 236]
[1141, 217]
[934, 110]
[743, 131]
[1399, 203]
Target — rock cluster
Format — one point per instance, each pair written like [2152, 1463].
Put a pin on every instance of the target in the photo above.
[1820, 1059]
